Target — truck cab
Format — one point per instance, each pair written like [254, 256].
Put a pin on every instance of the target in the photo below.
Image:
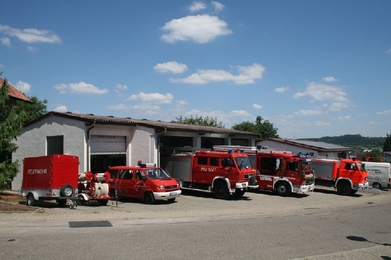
[148, 183]
[284, 173]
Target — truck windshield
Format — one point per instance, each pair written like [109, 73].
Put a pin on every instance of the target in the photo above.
[361, 166]
[243, 162]
[157, 174]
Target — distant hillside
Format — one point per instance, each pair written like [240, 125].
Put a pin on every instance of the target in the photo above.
[353, 141]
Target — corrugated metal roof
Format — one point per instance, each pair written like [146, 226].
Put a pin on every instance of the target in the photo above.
[318, 146]
[149, 123]
[13, 92]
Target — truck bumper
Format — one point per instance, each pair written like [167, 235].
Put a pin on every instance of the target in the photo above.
[305, 188]
[362, 186]
[241, 185]
[167, 195]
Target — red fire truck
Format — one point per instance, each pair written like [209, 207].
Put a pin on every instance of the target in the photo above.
[346, 175]
[278, 170]
[222, 173]
[145, 182]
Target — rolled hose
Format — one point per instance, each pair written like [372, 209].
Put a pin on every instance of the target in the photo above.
[100, 189]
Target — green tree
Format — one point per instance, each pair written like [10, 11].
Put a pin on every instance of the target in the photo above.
[11, 124]
[387, 143]
[261, 126]
[371, 156]
[32, 110]
[198, 120]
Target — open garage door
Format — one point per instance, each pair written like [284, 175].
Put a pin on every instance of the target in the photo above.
[107, 151]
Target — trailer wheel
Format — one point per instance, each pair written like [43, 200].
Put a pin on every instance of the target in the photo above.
[62, 202]
[221, 190]
[283, 189]
[103, 202]
[66, 191]
[149, 198]
[343, 188]
[30, 201]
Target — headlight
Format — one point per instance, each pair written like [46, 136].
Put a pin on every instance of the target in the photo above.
[161, 187]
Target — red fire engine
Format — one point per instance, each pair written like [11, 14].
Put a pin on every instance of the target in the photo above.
[279, 171]
[222, 173]
[145, 182]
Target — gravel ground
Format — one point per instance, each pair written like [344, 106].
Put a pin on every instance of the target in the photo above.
[12, 202]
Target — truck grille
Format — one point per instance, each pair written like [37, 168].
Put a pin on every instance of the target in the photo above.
[171, 187]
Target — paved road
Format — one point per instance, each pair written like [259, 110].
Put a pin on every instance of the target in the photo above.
[195, 207]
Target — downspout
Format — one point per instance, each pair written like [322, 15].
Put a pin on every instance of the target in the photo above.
[158, 144]
[89, 144]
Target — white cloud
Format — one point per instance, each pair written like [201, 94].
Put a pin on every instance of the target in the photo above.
[217, 6]
[322, 123]
[247, 75]
[182, 103]
[23, 87]
[153, 97]
[385, 112]
[119, 107]
[256, 106]
[79, 88]
[309, 112]
[389, 51]
[197, 6]
[318, 91]
[61, 108]
[329, 79]
[337, 97]
[32, 49]
[121, 87]
[239, 113]
[281, 89]
[30, 35]
[200, 29]
[171, 66]
[343, 118]
[6, 41]
[2, 66]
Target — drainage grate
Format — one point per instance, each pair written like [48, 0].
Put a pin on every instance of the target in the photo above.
[88, 224]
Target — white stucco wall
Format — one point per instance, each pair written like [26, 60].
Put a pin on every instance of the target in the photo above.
[32, 141]
[143, 146]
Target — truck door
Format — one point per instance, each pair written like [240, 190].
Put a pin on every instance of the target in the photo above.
[139, 184]
[267, 168]
[125, 183]
[201, 169]
[293, 172]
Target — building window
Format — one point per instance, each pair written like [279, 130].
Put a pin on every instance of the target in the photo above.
[54, 145]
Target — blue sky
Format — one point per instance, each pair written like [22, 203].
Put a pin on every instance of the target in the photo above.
[312, 68]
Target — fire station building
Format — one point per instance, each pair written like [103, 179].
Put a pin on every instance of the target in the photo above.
[102, 141]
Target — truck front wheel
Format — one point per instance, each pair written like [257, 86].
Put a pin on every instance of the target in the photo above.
[149, 198]
[221, 191]
[30, 201]
[343, 188]
[283, 189]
